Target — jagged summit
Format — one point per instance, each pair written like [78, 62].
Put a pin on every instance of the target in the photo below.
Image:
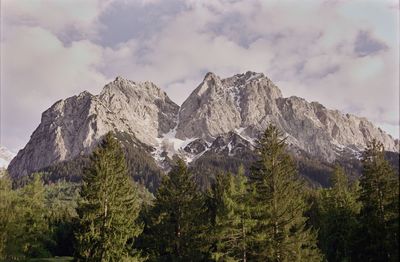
[218, 116]
[73, 126]
[130, 87]
[218, 106]
[248, 76]
[210, 76]
[119, 78]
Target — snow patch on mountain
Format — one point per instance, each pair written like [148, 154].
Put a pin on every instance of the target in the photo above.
[168, 144]
[241, 132]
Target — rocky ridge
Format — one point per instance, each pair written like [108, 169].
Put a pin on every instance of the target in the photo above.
[73, 126]
[247, 103]
[222, 116]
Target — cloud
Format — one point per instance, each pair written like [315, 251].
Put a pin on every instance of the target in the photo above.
[68, 19]
[340, 62]
[347, 60]
[125, 20]
[37, 74]
[367, 45]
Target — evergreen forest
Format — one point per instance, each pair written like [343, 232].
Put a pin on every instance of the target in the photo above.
[266, 213]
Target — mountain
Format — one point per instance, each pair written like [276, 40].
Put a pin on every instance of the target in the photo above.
[219, 121]
[5, 157]
[247, 103]
[73, 126]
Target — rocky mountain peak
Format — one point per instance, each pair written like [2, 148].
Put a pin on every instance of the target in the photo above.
[220, 116]
[210, 76]
[133, 90]
[209, 86]
[219, 106]
[241, 79]
[73, 126]
[144, 104]
[85, 94]
[119, 79]
[250, 102]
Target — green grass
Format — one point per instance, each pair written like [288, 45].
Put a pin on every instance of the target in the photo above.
[52, 259]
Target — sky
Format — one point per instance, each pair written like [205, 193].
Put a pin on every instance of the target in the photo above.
[341, 53]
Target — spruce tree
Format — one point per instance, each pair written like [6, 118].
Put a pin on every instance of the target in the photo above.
[7, 218]
[24, 226]
[108, 207]
[61, 202]
[280, 232]
[379, 216]
[230, 222]
[338, 208]
[175, 223]
[35, 227]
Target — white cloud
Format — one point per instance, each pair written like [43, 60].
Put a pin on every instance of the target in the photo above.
[36, 74]
[330, 70]
[54, 49]
[67, 19]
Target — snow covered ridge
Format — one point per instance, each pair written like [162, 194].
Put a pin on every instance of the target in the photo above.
[219, 111]
[5, 157]
[192, 149]
[171, 145]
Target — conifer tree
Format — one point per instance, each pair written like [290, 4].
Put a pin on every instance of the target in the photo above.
[35, 229]
[24, 220]
[176, 221]
[7, 217]
[379, 216]
[338, 208]
[280, 232]
[108, 207]
[61, 203]
[231, 217]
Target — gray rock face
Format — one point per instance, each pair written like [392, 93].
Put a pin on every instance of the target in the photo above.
[326, 133]
[218, 106]
[230, 144]
[248, 103]
[144, 108]
[220, 115]
[196, 147]
[73, 126]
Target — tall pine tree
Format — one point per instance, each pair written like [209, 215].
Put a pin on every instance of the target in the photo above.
[338, 208]
[108, 207]
[379, 216]
[280, 232]
[230, 223]
[175, 223]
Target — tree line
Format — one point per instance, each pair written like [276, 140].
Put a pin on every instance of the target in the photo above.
[269, 215]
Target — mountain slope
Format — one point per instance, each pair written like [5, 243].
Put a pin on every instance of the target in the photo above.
[221, 119]
[249, 102]
[73, 126]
